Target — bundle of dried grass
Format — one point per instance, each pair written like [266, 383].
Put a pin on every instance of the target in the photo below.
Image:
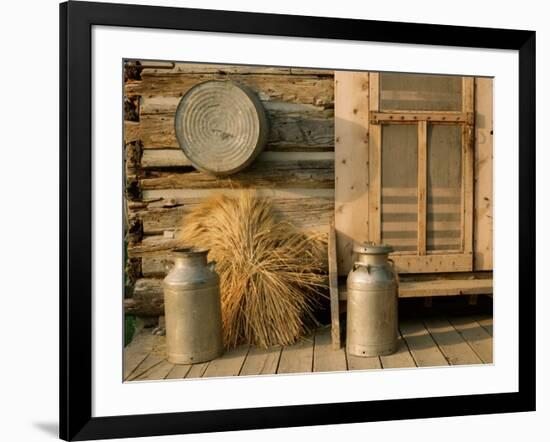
[271, 275]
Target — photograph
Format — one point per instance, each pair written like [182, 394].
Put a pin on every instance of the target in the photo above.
[288, 220]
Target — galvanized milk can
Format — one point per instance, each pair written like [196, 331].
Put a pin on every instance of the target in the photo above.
[372, 303]
[192, 308]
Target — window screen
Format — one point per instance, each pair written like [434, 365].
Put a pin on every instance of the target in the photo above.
[420, 92]
[399, 186]
[444, 186]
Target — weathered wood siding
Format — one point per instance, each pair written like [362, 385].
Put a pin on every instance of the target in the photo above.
[296, 168]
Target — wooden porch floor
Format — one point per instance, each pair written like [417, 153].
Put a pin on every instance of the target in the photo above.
[423, 342]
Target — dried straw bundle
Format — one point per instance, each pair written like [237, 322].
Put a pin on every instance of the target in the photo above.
[270, 274]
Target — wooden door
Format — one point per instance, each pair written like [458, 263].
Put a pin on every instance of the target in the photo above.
[420, 170]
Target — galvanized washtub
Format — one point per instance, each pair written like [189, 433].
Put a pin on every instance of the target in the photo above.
[221, 126]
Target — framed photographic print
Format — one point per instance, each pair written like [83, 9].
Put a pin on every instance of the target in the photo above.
[272, 220]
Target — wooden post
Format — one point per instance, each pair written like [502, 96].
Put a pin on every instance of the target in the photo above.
[422, 182]
[333, 286]
[351, 119]
[375, 162]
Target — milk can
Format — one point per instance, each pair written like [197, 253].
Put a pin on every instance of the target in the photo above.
[372, 303]
[192, 308]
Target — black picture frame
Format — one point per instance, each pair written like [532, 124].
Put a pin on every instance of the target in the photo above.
[76, 21]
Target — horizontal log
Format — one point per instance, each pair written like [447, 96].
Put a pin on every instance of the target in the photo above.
[307, 89]
[274, 174]
[157, 245]
[174, 196]
[287, 132]
[155, 266]
[152, 158]
[166, 158]
[311, 214]
[147, 299]
[161, 104]
[153, 68]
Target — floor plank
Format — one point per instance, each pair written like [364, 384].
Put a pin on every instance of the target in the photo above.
[360, 363]
[402, 358]
[178, 371]
[197, 370]
[229, 364]
[136, 352]
[478, 338]
[325, 358]
[486, 322]
[454, 347]
[157, 372]
[421, 345]
[261, 361]
[297, 358]
[149, 362]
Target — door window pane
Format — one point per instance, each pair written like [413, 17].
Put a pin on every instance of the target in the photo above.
[420, 92]
[399, 186]
[444, 187]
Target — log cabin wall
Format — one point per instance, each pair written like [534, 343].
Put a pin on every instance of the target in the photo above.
[296, 168]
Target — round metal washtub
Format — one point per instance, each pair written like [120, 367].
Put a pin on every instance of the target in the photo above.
[221, 127]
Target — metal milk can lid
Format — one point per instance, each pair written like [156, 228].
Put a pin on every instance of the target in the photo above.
[371, 248]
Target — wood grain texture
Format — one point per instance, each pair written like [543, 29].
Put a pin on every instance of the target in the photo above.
[333, 287]
[424, 350]
[402, 358]
[305, 89]
[297, 358]
[422, 186]
[463, 342]
[148, 363]
[454, 347]
[308, 214]
[436, 263]
[178, 372]
[483, 175]
[229, 364]
[477, 337]
[261, 361]
[359, 363]
[325, 357]
[197, 370]
[351, 110]
[375, 164]
[157, 372]
[136, 352]
[317, 174]
[287, 132]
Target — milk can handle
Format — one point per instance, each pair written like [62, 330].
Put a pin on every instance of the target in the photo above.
[212, 266]
[356, 265]
[392, 263]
